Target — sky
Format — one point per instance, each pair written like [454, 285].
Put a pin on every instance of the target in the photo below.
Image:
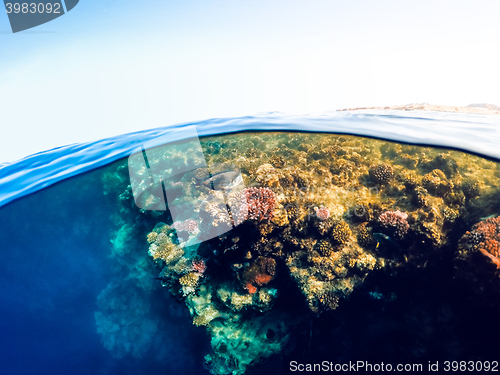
[113, 67]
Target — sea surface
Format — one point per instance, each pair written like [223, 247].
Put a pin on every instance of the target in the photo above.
[59, 242]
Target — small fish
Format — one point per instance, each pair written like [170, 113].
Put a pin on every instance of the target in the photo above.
[387, 241]
[161, 278]
[226, 180]
[488, 217]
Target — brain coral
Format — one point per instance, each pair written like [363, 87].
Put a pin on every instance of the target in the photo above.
[382, 173]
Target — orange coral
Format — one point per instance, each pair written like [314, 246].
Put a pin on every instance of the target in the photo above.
[485, 237]
[259, 273]
[262, 279]
[251, 289]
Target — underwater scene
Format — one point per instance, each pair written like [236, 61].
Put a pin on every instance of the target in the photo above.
[256, 252]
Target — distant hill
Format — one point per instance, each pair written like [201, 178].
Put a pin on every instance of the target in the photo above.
[483, 108]
[484, 105]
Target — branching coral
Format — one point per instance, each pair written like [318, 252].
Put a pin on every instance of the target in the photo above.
[188, 225]
[260, 202]
[325, 280]
[163, 247]
[324, 248]
[395, 220]
[252, 203]
[189, 282]
[322, 213]
[365, 238]
[341, 233]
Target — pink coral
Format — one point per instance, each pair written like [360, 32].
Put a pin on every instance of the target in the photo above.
[254, 204]
[322, 213]
[395, 220]
[260, 202]
[199, 266]
[188, 225]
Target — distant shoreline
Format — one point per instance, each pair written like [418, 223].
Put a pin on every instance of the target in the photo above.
[482, 109]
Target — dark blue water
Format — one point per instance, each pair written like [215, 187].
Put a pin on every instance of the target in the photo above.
[54, 237]
[55, 262]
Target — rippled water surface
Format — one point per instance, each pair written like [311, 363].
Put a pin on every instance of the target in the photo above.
[474, 133]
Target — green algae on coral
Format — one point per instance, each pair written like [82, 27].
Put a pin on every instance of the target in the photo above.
[302, 225]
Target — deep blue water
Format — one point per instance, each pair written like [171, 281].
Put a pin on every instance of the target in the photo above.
[55, 262]
[55, 245]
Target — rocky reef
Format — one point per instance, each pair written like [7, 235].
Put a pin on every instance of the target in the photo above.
[315, 220]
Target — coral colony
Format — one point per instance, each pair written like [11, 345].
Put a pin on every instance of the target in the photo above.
[395, 220]
[260, 202]
[188, 225]
[322, 213]
[307, 226]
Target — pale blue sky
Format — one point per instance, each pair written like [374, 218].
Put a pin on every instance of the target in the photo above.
[111, 67]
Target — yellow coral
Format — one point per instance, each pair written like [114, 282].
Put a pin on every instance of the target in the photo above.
[161, 246]
[236, 301]
[341, 271]
[341, 233]
[365, 262]
[267, 176]
[152, 237]
[189, 282]
[436, 183]
[201, 307]
[166, 251]
[206, 316]
[280, 217]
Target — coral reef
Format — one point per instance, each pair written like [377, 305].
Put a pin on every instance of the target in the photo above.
[471, 188]
[436, 183]
[324, 280]
[485, 239]
[320, 218]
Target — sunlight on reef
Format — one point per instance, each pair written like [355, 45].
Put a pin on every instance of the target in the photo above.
[317, 216]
